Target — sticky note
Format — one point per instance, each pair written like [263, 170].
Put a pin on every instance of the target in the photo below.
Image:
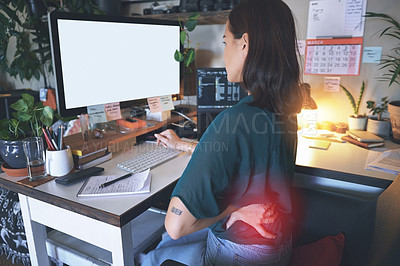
[166, 102]
[372, 54]
[332, 84]
[320, 144]
[301, 46]
[159, 104]
[113, 111]
[96, 114]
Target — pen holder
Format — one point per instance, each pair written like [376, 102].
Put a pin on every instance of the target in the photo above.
[59, 163]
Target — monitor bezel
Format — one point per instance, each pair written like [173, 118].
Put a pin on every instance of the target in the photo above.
[53, 18]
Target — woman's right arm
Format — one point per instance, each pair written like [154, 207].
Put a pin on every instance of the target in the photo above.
[168, 138]
[255, 215]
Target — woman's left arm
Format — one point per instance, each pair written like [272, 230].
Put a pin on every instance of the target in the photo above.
[180, 222]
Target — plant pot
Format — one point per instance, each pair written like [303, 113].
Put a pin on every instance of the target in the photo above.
[357, 123]
[394, 111]
[12, 153]
[379, 127]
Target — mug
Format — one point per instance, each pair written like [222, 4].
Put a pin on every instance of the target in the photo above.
[59, 163]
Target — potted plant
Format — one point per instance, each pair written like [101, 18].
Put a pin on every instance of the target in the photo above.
[378, 125]
[356, 121]
[28, 120]
[391, 63]
[188, 54]
[25, 23]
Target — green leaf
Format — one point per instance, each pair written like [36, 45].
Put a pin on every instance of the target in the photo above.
[24, 117]
[194, 16]
[183, 37]
[351, 99]
[46, 121]
[29, 99]
[11, 13]
[48, 112]
[359, 98]
[190, 25]
[396, 75]
[189, 58]
[20, 106]
[178, 56]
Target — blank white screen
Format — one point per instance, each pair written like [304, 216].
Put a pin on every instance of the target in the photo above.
[106, 62]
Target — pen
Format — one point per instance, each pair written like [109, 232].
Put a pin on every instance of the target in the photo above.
[49, 144]
[51, 139]
[115, 180]
[327, 139]
[60, 137]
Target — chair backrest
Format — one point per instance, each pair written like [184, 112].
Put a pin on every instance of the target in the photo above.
[386, 235]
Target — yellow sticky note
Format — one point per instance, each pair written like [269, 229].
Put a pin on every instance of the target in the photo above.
[320, 144]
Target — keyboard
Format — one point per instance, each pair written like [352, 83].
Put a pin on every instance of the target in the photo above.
[152, 158]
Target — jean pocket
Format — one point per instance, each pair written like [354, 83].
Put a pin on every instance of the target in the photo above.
[271, 259]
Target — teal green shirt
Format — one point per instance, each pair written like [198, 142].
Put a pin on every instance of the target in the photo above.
[246, 156]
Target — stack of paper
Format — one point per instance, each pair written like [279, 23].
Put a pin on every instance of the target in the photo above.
[387, 161]
[135, 184]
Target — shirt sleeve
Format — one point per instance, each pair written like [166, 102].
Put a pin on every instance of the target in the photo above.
[207, 177]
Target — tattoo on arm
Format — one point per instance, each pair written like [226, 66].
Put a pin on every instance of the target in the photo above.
[176, 211]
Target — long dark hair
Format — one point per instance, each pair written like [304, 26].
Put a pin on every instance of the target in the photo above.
[271, 71]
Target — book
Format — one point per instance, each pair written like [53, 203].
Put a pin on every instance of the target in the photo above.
[97, 161]
[364, 136]
[366, 145]
[89, 157]
[136, 184]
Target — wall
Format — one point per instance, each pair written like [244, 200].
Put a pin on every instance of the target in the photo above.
[211, 54]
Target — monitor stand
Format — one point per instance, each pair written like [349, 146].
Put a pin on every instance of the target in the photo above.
[159, 116]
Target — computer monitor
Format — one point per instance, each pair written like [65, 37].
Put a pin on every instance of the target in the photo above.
[105, 59]
[214, 94]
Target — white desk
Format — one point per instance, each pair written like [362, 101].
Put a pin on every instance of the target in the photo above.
[342, 166]
[103, 221]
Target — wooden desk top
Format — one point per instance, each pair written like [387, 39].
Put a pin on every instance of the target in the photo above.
[112, 137]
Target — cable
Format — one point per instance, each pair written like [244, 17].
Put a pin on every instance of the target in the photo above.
[188, 118]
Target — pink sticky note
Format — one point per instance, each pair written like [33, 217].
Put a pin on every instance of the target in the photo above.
[113, 111]
[155, 104]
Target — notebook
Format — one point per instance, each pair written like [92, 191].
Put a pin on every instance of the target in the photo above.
[364, 136]
[136, 184]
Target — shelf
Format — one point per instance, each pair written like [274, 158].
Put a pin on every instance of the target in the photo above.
[206, 18]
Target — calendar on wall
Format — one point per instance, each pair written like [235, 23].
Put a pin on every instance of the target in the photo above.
[333, 56]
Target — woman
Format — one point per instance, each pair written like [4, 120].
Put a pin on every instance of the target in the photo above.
[242, 167]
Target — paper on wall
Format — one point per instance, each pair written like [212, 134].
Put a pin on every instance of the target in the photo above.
[336, 18]
[332, 84]
[372, 54]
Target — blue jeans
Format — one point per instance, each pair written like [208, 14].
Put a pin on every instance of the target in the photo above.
[204, 248]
